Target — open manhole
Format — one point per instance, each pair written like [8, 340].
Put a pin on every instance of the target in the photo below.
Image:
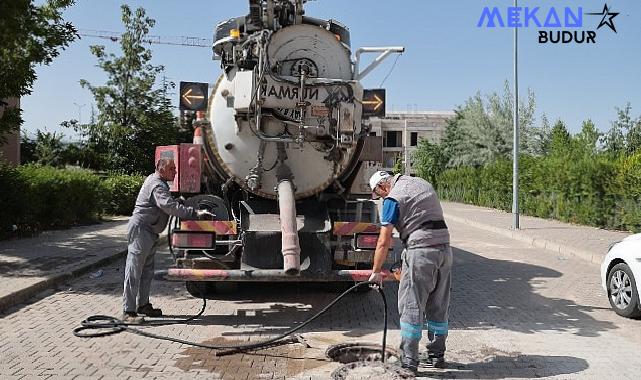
[371, 371]
[361, 352]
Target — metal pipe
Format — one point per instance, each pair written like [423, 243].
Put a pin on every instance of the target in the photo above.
[263, 275]
[289, 229]
[386, 52]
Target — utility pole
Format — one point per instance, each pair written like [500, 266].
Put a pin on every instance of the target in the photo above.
[515, 148]
[79, 111]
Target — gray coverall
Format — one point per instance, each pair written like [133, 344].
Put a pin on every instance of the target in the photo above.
[424, 289]
[153, 207]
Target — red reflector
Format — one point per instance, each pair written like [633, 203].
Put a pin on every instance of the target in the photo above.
[192, 240]
[366, 241]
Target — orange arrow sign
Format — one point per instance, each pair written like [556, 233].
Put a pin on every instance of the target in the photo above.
[377, 103]
[187, 96]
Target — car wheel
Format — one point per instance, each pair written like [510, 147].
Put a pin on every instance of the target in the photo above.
[622, 291]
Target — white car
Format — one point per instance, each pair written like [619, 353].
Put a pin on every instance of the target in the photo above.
[620, 268]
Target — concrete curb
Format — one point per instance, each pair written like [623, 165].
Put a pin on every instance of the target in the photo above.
[560, 249]
[23, 295]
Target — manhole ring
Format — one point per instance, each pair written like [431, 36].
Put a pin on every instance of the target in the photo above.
[346, 353]
[371, 370]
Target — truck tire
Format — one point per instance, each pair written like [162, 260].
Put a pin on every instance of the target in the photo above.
[210, 290]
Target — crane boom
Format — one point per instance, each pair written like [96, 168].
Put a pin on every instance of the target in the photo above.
[151, 39]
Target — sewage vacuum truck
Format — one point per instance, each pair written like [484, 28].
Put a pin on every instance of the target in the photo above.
[277, 154]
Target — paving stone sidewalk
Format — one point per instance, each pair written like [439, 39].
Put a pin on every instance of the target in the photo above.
[565, 239]
[31, 265]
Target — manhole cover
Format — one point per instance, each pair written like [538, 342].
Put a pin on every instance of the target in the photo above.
[361, 352]
[371, 370]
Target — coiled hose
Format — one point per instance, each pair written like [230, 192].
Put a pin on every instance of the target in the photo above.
[107, 325]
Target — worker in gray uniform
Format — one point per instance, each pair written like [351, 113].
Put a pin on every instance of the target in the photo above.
[151, 213]
[412, 206]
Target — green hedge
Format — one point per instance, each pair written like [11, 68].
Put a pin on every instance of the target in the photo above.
[598, 191]
[35, 198]
[121, 191]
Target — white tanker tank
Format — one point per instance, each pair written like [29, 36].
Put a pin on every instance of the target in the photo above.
[283, 141]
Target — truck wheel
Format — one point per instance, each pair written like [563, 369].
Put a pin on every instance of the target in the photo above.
[210, 290]
[198, 289]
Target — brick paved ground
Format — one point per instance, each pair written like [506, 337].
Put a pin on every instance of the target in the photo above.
[517, 312]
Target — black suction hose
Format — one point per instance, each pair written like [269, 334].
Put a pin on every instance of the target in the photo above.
[110, 325]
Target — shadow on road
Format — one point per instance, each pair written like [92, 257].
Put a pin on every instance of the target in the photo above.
[501, 367]
[490, 293]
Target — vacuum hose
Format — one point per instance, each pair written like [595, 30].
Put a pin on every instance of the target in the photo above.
[290, 242]
[107, 325]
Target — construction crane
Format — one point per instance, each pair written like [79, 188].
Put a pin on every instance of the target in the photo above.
[151, 39]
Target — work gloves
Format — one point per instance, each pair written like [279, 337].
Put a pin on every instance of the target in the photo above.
[204, 214]
[377, 278]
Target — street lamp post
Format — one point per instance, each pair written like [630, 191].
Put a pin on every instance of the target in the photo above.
[515, 147]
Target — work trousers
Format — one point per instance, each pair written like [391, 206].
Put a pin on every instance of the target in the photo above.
[424, 297]
[139, 269]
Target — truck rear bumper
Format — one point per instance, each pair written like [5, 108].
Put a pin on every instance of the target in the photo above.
[263, 275]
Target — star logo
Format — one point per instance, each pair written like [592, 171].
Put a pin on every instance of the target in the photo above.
[607, 18]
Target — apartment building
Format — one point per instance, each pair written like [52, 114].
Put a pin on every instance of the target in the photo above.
[401, 132]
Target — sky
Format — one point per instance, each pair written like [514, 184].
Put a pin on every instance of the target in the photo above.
[448, 57]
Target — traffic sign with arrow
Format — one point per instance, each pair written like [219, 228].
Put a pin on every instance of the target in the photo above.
[374, 103]
[193, 96]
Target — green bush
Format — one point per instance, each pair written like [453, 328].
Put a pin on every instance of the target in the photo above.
[591, 190]
[56, 198]
[120, 192]
[12, 191]
[35, 198]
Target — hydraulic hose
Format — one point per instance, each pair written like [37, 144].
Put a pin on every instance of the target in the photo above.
[107, 325]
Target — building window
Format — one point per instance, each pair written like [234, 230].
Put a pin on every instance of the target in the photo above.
[392, 139]
[414, 139]
[372, 133]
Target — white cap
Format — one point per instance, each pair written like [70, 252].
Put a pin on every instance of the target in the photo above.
[377, 177]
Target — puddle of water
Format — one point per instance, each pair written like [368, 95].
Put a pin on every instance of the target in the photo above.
[280, 361]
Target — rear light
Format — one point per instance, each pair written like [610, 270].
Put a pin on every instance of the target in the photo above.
[181, 239]
[366, 241]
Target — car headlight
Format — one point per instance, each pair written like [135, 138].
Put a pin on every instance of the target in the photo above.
[613, 244]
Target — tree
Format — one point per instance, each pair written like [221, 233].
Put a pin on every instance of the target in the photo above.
[399, 167]
[429, 160]
[632, 127]
[586, 141]
[27, 149]
[560, 143]
[31, 35]
[49, 148]
[614, 141]
[484, 129]
[133, 114]
[539, 139]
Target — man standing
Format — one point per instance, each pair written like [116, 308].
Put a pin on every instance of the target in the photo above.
[153, 207]
[412, 206]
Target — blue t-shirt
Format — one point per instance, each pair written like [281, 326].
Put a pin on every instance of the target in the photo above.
[390, 211]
